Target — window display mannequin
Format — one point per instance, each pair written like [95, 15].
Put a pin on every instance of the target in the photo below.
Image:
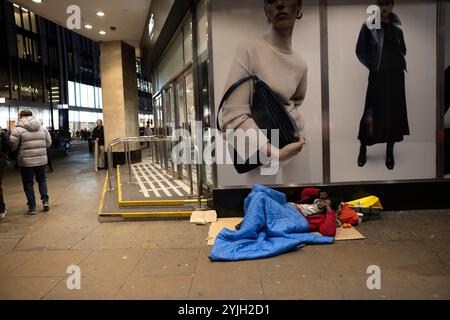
[383, 52]
[271, 58]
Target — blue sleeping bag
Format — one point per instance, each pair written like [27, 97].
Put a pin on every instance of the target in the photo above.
[271, 227]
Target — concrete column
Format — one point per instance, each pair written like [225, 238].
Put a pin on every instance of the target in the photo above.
[120, 95]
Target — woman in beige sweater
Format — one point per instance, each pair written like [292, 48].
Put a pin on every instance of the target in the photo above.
[271, 58]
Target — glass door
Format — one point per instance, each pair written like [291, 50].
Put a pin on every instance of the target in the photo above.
[181, 119]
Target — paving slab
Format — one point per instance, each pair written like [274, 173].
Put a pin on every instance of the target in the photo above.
[52, 263]
[436, 287]
[167, 287]
[166, 262]
[26, 288]
[150, 234]
[8, 244]
[208, 272]
[299, 286]
[304, 260]
[109, 267]
[86, 292]
[234, 289]
[53, 233]
[395, 285]
[14, 259]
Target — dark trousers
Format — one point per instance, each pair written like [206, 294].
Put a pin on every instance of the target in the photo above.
[28, 175]
[2, 201]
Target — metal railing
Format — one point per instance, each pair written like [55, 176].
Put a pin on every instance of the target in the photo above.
[159, 153]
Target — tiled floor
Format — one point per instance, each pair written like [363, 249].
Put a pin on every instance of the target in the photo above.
[169, 259]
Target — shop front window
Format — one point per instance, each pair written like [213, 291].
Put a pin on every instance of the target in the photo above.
[79, 120]
[4, 117]
[18, 15]
[85, 96]
[187, 35]
[20, 46]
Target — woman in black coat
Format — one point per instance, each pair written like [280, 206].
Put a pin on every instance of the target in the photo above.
[383, 52]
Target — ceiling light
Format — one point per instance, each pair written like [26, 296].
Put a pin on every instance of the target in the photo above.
[88, 26]
[102, 32]
[100, 13]
[37, 1]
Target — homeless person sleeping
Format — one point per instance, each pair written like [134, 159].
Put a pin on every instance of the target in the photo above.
[273, 226]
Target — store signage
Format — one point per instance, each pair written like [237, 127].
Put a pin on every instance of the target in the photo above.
[151, 26]
[27, 91]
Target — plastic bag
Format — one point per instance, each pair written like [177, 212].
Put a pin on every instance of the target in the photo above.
[348, 215]
[369, 206]
[367, 202]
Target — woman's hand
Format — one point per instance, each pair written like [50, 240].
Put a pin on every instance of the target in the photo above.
[289, 151]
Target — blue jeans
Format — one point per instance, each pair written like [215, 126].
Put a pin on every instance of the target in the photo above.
[28, 174]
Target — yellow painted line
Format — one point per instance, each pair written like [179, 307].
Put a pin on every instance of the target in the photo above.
[181, 214]
[102, 200]
[119, 185]
[143, 203]
[130, 215]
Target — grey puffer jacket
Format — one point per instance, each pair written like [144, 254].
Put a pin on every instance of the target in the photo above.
[33, 140]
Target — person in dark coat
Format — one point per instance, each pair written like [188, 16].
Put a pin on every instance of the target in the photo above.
[383, 52]
[5, 148]
[99, 136]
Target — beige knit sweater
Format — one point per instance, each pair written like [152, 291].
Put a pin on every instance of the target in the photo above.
[270, 57]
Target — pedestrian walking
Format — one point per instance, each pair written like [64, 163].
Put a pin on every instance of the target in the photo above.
[98, 135]
[5, 163]
[32, 141]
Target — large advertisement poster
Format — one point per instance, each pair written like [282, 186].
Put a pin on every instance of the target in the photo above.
[249, 38]
[382, 90]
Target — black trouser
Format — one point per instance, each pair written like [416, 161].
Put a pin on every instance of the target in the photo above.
[2, 201]
[28, 175]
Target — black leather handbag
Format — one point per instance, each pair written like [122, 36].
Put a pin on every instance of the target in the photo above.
[269, 113]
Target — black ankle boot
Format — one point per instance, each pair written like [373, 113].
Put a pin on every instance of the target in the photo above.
[390, 161]
[362, 158]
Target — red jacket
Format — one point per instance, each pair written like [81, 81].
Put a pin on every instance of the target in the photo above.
[309, 193]
[325, 224]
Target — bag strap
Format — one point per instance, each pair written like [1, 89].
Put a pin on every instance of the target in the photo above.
[230, 91]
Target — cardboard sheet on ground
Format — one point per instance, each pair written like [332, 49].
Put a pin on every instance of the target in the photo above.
[230, 223]
[207, 216]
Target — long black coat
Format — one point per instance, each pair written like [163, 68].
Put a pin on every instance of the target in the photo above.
[99, 133]
[385, 118]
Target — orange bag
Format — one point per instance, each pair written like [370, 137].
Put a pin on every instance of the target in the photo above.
[348, 215]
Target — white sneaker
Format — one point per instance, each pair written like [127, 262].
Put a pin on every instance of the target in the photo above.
[3, 215]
